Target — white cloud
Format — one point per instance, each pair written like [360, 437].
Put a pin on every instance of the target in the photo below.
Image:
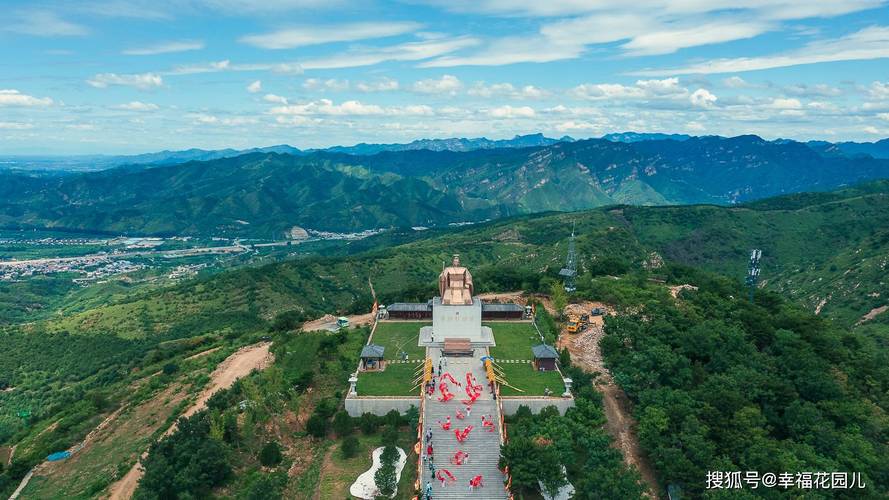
[143, 81]
[319, 34]
[138, 106]
[572, 125]
[447, 84]
[879, 91]
[785, 103]
[382, 85]
[210, 67]
[350, 108]
[409, 51]
[647, 28]
[883, 116]
[15, 126]
[659, 88]
[12, 97]
[328, 84]
[765, 9]
[81, 126]
[511, 50]
[274, 99]
[166, 48]
[42, 23]
[600, 91]
[702, 98]
[667, 41]
[822, 106]
[819, 90]
[481, 89]
[512, 112]
[248, 7]
[254, 87]
[585, 111]
[736, 82]
[205, 119]
[868, 43]
[695, 127]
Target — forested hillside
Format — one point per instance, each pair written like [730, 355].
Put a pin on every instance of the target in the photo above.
[264, 194]
[74, 367]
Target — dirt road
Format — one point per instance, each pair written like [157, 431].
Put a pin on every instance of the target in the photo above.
[328, 322]
[239, 364]
[586, 354]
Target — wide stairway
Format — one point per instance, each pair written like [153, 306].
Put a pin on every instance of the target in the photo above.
[482, 446]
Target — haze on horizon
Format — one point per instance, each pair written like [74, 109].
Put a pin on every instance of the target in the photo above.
[111, 77]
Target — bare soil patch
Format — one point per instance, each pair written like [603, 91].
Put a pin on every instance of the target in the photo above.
[873, 313]
[239, 364]
[586, 354]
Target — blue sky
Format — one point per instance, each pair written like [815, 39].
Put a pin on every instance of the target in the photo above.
[119, 76]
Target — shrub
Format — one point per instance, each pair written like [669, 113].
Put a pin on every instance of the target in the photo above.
[350, 447]
[393, 418]
[326, 408]
[385, 475]
[368, 423]
[390, 436]
[270, 455]
[316, 426]
[342, 424]
[564, 358]
[170, 368]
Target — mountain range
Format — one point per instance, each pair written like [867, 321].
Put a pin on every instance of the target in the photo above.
[89, 163]
[263, 194]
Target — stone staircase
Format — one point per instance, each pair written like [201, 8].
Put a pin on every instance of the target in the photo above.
[482, 446]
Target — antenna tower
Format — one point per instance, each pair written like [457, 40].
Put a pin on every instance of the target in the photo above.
[569, 272]
[753, 270]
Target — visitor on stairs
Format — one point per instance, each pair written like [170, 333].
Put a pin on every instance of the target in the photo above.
[475, 482]
[460, 458]
[445, 476]
[462, 435]
[428, 491]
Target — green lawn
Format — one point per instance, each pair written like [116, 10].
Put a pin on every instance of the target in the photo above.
[514, 340]
[336, 480]
[523, 376]
[396, 380]
[400, 336]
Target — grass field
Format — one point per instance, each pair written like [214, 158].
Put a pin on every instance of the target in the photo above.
[514, 340]
[396, 380]
[336, 480]
[400, 336]
[534, 383]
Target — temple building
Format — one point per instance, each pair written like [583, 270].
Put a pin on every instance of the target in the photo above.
[456, 312]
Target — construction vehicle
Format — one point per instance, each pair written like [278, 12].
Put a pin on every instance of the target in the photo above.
[574, 325]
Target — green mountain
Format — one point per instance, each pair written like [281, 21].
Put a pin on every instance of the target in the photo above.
[265, 194]
[784, 371]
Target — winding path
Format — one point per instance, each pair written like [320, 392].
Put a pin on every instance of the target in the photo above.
[239, 364]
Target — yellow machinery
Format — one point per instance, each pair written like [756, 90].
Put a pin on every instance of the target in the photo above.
[573, 325]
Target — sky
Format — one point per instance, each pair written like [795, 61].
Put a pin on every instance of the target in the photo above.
[130, 76]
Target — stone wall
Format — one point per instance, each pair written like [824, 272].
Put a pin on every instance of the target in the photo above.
[356, 406]
[511, 404]
[457, 321]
